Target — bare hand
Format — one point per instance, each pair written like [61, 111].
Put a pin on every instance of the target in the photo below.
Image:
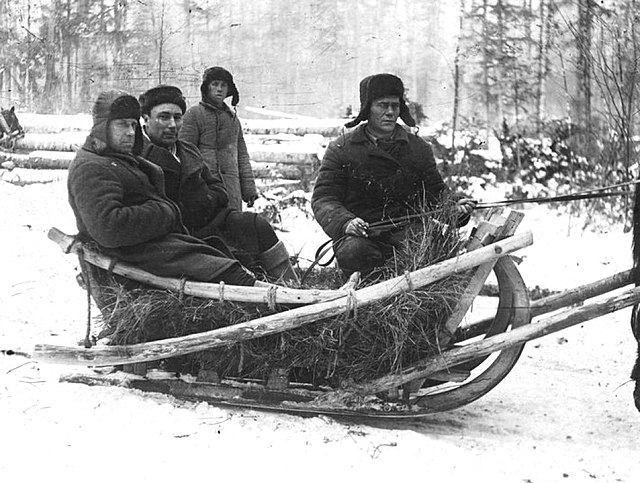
[251, 200]
[466, 205]
[357, 227]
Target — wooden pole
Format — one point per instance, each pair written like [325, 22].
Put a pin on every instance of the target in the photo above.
[558, 301]
[542, 327]
[281, 322]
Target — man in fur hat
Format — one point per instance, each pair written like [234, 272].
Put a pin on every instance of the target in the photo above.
[200, 194]
[119, 202]
[216, 131]
[376, 172]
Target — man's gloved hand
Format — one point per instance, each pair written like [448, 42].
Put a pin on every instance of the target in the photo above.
[357, 227]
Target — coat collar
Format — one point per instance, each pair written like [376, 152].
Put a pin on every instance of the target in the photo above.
[223, 108]
[163, 158]
[360, 136]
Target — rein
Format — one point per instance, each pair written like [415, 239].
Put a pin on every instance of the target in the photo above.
[399, 222]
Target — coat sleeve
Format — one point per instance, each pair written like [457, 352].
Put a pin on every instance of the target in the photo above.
[217, 191]
[190, 130]
[98, 195]
[329, 193]
[247, 181]
[435, 187]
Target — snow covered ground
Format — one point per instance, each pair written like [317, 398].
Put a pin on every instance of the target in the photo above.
[564, 413]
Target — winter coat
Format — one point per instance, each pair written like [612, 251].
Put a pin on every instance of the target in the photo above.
[217, 133]
[200, 194]
[119, 203]
[359, 179]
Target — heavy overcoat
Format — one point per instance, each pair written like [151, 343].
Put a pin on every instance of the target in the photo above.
[119, 203]
[359, 179]
[198, 192]
[217, 133]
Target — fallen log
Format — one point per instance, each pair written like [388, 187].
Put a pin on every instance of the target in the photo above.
[68, 141]
[40, 159]
[24, 177]
[280, 322]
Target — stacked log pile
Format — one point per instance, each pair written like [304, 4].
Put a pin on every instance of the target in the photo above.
[288, 149]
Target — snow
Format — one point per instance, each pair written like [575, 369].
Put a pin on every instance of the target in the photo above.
[565, 412]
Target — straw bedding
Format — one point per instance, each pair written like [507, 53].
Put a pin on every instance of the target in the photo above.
[368, 342]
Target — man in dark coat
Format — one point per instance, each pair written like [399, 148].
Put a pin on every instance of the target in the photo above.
[119, 202]
[201, 194]
[378, 171]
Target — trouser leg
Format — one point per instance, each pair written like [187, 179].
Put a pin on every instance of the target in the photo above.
[358, 254]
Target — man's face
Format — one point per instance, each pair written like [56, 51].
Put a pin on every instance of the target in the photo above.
[163, 124]
[121, 135]
[218, 91]
[383, 115]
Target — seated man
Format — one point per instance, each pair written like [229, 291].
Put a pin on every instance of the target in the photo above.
[201, 194]
[378, 171]
[119, 202]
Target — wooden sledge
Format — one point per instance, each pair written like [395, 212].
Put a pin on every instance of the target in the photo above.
[474, 358]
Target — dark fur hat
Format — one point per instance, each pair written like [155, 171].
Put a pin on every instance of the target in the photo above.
[162, 94]
[112, 105]
[381, 85]
[219, 73]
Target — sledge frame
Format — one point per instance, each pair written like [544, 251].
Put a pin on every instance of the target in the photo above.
[478, 358]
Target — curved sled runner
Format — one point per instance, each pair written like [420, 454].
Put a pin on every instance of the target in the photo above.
[473, 359]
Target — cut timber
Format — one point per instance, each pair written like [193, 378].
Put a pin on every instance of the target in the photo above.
[44, 160]
[281, 322]
[69, 141]
[24, 177]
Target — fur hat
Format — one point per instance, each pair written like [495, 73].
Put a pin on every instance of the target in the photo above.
[162, 94]
[376, 86]
[111, 105]
[219, 73]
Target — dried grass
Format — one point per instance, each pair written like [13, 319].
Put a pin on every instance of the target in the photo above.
[369, 342]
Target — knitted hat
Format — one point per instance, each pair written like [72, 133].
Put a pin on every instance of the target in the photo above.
[111, 105]
[376, 86]
[162, 94]
[219, 73]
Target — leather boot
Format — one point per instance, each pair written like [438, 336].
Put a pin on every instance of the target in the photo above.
[275, 261]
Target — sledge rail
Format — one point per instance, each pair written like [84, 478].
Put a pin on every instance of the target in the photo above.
[279, 322]
[267, 294]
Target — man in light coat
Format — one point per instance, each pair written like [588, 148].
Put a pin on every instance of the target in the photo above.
[216, 131]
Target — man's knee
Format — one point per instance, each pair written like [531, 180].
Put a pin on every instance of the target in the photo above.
[358, 254]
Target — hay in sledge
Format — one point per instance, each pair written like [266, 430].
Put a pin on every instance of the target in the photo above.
[370, 341]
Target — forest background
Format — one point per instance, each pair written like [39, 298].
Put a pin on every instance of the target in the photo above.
[562, 72]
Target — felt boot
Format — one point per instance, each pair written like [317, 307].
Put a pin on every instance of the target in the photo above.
[275, 261]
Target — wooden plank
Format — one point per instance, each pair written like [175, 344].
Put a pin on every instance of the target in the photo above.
[496, 227]
[281, 322]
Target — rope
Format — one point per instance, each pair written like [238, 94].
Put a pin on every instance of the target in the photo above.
[85, 270]
[390, 224]
[271, 297]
